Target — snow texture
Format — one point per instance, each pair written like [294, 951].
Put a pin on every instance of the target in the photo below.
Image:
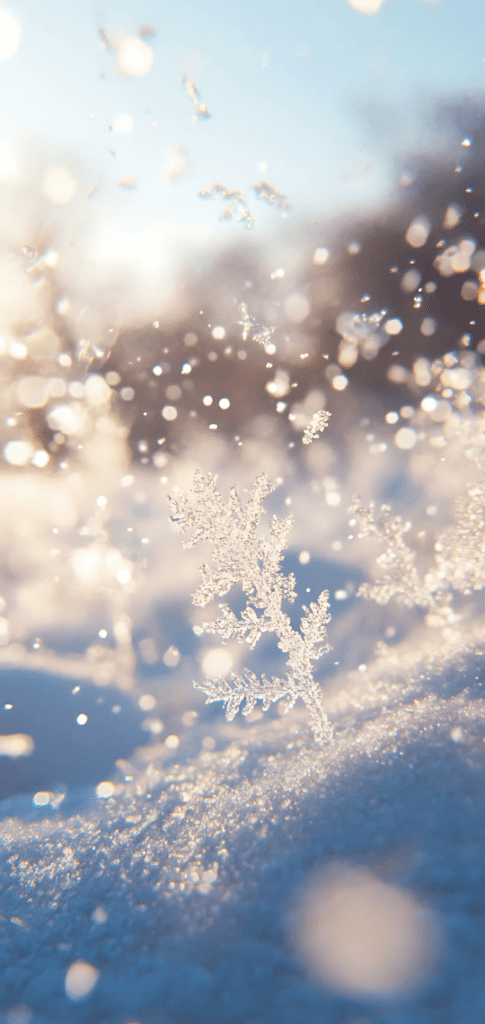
[197, 863]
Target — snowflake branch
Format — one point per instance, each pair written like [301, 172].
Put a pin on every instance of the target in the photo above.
[241, 556]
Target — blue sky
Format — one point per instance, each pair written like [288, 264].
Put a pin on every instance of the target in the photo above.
[323, 95]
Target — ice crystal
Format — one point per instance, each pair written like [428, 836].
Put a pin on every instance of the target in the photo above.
[361, 335]
[460, 551]
[316, 426]
[271, 195]
[241, 556]
[236, 205]
[459, 560]
[192, 90]
[251, 328]
[401, 579]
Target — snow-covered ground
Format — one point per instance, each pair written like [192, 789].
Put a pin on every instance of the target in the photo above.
[182, 887]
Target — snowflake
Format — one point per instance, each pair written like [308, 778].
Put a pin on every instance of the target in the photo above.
[316, 426]
[242, 556]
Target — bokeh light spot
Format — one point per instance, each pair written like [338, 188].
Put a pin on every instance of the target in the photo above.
[364, 937]
[366, 6]
[320, 256]
[104, 790]
[405, 438]
[169, 412]
[42, 798]
[216, 661]
[59, 185]
[17, 453]
[80, 980]
[10, 33]
[17, 744]
[135, 57]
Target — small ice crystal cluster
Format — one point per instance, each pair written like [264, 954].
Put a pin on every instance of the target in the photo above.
[236, 205]
[459, 561]
[271, 195]
[360, 334]
[242, 556]
[252, 329]
[316, 426]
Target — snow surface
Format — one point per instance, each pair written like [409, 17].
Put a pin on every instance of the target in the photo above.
[199, 861]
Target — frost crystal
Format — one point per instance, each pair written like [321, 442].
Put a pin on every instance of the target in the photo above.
[316, 426]
[251, 329]
[460, 552]
[459, 557]
[242, 556]
[236, 206]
